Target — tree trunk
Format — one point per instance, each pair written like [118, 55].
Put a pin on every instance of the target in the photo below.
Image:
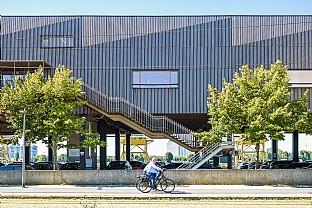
[54, 149]
[257, 155]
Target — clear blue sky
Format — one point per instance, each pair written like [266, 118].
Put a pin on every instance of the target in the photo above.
[155, 7]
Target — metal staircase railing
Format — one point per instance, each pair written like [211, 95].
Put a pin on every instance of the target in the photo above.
[199, 156]
[117, 105]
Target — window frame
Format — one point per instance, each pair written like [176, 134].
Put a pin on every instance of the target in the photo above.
[48, 37]
[173, 80]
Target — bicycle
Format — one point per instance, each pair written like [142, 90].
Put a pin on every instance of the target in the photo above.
[144, 183]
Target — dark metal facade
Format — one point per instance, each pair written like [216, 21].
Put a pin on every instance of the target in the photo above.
[104, 51]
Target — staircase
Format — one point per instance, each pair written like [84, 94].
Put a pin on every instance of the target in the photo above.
[121, 110]
[204, 155]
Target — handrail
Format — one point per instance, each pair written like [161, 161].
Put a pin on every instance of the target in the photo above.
[117, 105]
[199, 156]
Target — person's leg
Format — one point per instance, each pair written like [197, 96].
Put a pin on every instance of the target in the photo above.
[158, 175]
[152, 177]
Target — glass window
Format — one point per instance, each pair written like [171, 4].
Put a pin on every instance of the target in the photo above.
[155, 79]
[57, 42]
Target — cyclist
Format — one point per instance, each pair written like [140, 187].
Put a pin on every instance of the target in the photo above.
[153, 172]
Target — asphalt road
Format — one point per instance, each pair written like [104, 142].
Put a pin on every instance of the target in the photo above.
[130, 192]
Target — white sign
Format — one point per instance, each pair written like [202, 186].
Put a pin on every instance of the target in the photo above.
[73, 152]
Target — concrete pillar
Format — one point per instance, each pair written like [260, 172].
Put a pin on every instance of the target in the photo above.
[117, 144]
[93, 151]
[229, 160]
[50, 152]
[102, 129]
[82, 154]
[128, 143]
[295, 146]
[215, 161]
[27, 155]
[274, 150]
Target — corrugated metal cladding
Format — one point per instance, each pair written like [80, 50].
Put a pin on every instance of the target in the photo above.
[203, 49]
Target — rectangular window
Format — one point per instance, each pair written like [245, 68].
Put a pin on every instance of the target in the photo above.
[300, 78]
[57, 42]
[155, 79]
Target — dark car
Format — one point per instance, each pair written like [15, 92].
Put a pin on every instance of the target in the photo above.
[119, 165]
[252, 165]
[135, 164]
[266, 165]
[277, 164]
[173, 165]
[243, 166]
[300, 165]
[209, 166]
[309, 167]
[43, 166]
[69, 166]
[281, 164]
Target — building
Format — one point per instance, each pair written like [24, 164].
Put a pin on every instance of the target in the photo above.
[13, 149]
[146, 67]
[176, 149]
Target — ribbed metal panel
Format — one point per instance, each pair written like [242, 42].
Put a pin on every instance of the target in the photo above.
[203, 49]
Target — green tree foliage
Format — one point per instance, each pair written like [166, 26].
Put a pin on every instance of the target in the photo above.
[256, 105]
[40, 158]
[50, 104]
[169, 157]
[62, 158]
[305, 155]
[189, 156]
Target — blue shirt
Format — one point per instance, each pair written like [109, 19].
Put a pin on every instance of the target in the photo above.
[151, 168]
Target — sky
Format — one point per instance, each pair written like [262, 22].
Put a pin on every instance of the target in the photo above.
[158, 8]
[155, 7]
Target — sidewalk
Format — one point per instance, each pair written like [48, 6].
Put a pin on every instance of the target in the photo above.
[130, 192]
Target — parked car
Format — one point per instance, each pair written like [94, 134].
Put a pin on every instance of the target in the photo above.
[277, 164]
[281, 164]
[243, 166]
[173, 165]
[135, 164]
[266, 165]
[69, 166]
[300, 165]
[309, 167]
[209, 166]
[16, 166]
[252, 165]
[43, 166]
[119, 165]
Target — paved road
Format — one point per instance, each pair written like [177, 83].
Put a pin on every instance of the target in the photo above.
[188, 191]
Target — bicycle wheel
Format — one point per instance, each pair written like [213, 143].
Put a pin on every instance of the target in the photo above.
[167, 185]
[143, 185]
[137, 183]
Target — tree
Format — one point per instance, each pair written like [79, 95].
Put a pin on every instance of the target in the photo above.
[256, 106]
[189, 156]
[50, 104]
[62, 158]
[40, 158]
[169, 157]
